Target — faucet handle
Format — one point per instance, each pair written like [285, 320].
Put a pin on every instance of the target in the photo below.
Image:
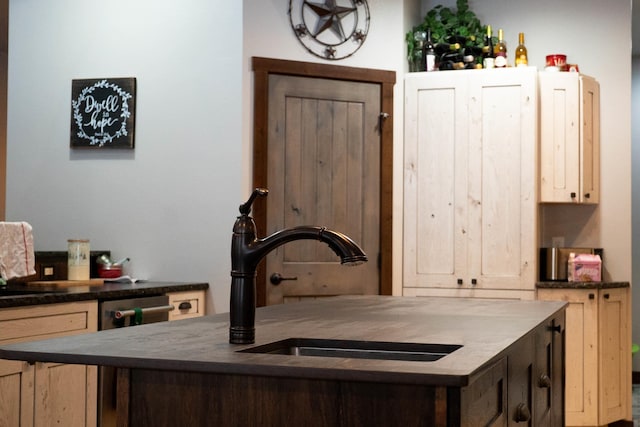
[246, 207]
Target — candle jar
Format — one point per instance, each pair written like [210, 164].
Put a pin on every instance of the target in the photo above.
[78, 266]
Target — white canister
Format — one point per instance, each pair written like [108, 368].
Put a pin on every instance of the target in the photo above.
[78, 266]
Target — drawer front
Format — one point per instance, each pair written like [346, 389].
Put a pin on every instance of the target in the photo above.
[47, 321]
[187, 304]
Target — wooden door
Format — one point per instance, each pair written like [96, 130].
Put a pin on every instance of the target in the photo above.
[324, 170]
[263, 68]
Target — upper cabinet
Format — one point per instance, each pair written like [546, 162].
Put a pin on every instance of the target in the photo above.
[470, 183]
[569, 138]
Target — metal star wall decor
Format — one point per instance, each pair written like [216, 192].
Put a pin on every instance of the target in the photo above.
[330, 29]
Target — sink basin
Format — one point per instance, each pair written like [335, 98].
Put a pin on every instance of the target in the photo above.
[356, 349]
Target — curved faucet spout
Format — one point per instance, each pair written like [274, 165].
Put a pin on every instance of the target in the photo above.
[247, 251]
[250, 254]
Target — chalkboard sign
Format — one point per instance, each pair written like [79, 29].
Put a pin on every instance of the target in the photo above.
[103, 113]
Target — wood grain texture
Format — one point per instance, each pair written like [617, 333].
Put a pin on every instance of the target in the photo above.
[262, 68]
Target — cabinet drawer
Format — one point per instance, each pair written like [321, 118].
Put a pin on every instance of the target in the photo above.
[187, 304]
[47, 321]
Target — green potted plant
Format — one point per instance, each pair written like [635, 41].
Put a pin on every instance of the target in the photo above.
[448, 26]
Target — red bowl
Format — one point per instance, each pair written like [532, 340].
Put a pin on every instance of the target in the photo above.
[109, 272]
[557, 60]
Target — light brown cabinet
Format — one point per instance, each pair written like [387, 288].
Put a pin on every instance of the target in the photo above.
[598, 354]
[44, 394]
[569, 138]
[187, 304]
[470, 180]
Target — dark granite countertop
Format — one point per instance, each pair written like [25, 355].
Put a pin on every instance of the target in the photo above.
[17, 295]
[581, 285]
[485, 328]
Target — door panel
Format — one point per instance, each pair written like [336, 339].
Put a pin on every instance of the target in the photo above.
[323, 170]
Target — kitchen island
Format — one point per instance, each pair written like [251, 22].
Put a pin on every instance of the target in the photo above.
[506, 364]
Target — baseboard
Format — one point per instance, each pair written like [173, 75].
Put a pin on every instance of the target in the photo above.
[635, 377]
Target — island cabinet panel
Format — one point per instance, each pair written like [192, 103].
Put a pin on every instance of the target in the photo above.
[523, 386]
[598, 354]
[43, 394]
[164, 398]
[470, 173]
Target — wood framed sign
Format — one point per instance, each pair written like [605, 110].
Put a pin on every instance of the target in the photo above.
[103, 113]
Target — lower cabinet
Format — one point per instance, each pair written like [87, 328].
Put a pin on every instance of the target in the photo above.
[46, 394]
[523, 389]
[187, 304]
[598, 354]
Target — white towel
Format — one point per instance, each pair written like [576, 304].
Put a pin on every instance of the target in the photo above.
[17, 258]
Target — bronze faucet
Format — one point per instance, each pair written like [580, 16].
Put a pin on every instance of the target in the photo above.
[247, 251]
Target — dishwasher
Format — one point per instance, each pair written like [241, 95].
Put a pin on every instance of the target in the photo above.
[123, 313]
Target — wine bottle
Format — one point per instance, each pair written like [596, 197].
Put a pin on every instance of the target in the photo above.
[442, 48]
[500, 51]
[487, 50]
[429, 53]
[521, 52]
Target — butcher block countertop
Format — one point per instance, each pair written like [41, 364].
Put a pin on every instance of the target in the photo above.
[485, 329]
[53, 292]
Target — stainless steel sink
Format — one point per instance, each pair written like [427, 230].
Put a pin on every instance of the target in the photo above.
[356, 349]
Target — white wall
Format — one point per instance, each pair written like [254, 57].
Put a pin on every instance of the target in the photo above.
[169, 204]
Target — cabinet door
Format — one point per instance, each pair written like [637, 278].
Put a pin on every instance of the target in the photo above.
[569, 138]
[16, 396]
[66, 395]
[614, 354]
[548, 375]
[590, 140]
[502, 163]
[435, 179]
[520, 383]
[559, 136]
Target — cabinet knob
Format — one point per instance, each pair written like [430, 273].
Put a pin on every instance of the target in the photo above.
[544, 381]
[592, 296]
[556, 328]
[587, 195]
[606, 296]
[573, 195]
[459, 281]
[474, 281]
[522, 413]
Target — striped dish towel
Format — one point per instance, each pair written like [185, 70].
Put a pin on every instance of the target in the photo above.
[16, 250]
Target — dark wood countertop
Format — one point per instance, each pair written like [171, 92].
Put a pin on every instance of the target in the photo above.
[19, 295]
[485, 328]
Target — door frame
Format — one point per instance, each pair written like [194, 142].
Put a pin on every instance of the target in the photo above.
[262, 67]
